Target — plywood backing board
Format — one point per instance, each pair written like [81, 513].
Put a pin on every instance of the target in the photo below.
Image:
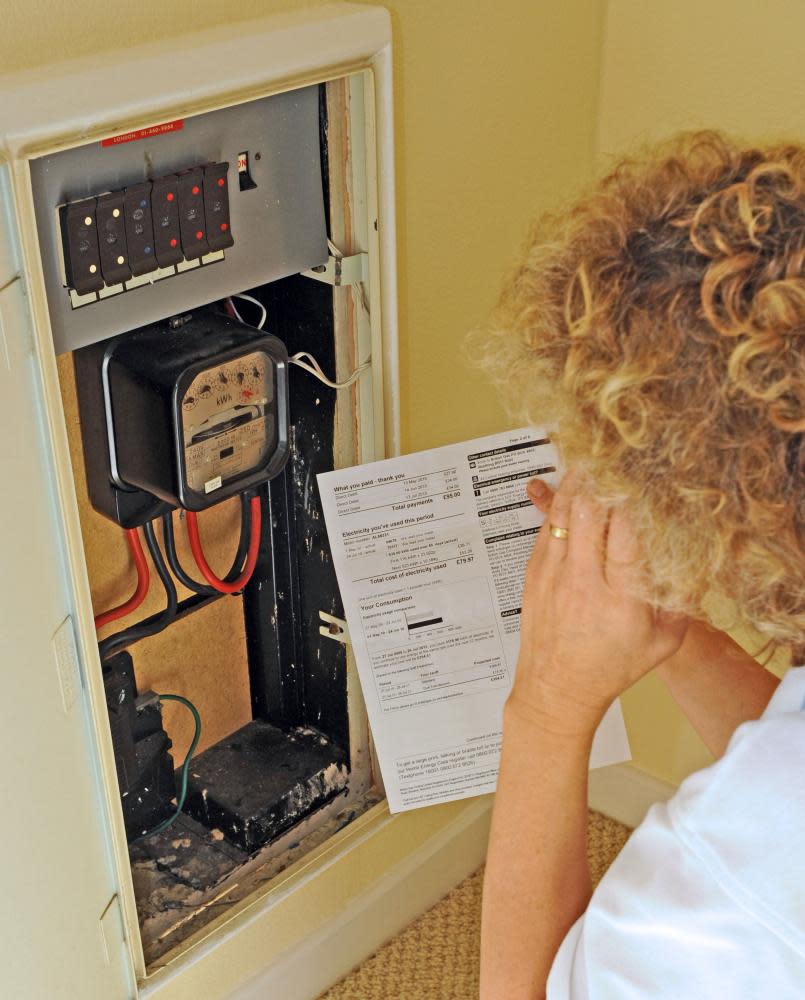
[202, 656]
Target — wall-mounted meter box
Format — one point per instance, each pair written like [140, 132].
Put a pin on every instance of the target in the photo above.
[177, 223]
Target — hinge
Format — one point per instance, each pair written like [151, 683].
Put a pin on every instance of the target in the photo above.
[67, 668]
[341, 270]
[335, 628]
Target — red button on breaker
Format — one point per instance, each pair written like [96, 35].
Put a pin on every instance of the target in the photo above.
[165, 212]
[216, 206]
[191, 213]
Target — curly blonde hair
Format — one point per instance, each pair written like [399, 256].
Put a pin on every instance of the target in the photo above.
[660, 325]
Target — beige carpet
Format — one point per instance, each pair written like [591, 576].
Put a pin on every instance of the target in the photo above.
[436, 958]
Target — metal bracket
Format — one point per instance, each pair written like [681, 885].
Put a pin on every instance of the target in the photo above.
[335, 628]
[341, 270]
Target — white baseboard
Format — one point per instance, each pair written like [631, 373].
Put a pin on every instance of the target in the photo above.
[625, 793]
[405, 891]
[397, 898]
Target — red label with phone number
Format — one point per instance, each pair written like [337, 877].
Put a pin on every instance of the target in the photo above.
[145, 133]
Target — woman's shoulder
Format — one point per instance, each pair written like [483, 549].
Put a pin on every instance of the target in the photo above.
[744, 817]
[763, 755]
[706, 897]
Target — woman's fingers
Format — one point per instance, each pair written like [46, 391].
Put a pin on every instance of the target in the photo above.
[570, 515]
[580, 527]
[540, 494]
[557, 522]
[540, 566]
[623, 555]
[586, 540]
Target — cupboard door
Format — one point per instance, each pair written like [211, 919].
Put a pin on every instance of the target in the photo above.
[61, 925]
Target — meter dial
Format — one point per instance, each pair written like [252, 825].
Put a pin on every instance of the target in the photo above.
[249, 378]
[257, 371]
[228, 422]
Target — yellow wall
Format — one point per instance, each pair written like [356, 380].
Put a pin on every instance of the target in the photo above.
[495, 120]
[729, 64]
[672, 66]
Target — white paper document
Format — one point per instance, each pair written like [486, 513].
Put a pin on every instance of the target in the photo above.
[430, 553]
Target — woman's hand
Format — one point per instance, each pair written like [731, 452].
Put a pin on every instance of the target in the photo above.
[584, 638]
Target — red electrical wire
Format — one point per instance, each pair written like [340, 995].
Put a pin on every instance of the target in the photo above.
[143, 581]
[251, 557]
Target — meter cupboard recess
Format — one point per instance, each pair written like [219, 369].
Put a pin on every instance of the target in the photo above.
[227, 708]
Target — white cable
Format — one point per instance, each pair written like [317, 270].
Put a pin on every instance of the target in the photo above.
[314, 369]
[254, 301]
[311, 365]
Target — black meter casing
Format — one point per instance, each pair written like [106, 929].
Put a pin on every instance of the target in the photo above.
[194, 410]
[197, 409]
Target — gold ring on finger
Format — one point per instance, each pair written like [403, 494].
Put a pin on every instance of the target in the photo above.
[558, 532]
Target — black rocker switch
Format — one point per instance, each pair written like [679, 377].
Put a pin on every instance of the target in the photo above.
[139, 228]
[112, 238]
[216, 206]
[82, 262]
[165, 213]
[191, 213]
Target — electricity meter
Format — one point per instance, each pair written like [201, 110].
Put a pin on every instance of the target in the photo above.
[196, 409]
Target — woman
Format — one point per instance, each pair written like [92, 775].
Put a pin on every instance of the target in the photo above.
[661, 325]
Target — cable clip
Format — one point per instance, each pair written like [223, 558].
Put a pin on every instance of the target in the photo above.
[335, 628]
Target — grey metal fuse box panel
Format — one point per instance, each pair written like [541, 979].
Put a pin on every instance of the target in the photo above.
[276, 210]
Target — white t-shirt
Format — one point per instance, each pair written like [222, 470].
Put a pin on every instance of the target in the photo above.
[707, 899]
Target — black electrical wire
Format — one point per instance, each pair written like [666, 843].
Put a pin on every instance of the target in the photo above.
[245, 532]
[173, 559]
[237, 563]
[115, 643]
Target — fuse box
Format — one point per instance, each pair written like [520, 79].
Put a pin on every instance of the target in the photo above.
[187, 233]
